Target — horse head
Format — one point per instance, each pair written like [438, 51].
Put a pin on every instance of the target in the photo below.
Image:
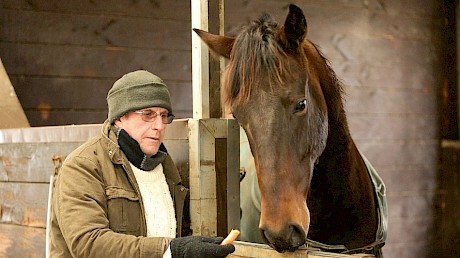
[272, 86]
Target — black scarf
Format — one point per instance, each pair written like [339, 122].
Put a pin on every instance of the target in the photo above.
[133, 152]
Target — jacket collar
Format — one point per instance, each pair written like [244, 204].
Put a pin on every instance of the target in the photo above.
[134, 153]
[110, 141]
[118, 157]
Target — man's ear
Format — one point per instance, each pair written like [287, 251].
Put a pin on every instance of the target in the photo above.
[118, 123]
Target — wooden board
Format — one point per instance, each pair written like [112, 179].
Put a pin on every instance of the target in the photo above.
[447, 201]
[11, 115]
[21, 241]
[30, 162]
[252, 250]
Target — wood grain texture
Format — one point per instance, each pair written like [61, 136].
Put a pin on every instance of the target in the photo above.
[21, 241]
[31, 162]
[24, 204]
[12, 115]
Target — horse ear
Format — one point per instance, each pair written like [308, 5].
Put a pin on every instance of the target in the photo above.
[220, 45]
[295, 27]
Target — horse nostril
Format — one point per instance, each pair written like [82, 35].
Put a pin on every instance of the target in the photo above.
[265, 237]
[298, 236]
[288, 239]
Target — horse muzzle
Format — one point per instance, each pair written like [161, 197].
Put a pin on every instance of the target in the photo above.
[283, 231]
[288, 239]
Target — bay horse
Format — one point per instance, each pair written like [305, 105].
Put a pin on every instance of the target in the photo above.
[314, 184]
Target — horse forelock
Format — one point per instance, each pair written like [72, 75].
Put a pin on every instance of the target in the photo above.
[257, 60]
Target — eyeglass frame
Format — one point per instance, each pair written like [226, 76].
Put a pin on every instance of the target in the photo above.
[166, 117]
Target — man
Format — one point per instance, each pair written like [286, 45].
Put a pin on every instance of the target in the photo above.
[120, 194]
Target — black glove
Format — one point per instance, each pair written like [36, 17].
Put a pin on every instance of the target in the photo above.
[199, 247]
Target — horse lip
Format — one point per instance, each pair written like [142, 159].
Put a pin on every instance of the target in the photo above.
[280, 248]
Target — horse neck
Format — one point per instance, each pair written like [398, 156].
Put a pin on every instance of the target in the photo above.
[341, 198]
[339, 138]
[340, 147]
[340, 169]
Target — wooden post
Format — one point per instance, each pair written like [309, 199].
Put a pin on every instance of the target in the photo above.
[214, 176]
[214, 148]
[200, 61]
[216, 64]
[206, 71]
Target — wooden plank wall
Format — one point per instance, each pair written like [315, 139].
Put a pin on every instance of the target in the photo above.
[24, 182]
[77, 49]
[62, 57]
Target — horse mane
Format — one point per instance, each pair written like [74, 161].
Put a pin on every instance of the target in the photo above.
[255, 56]
[258, 60]
[332, 88]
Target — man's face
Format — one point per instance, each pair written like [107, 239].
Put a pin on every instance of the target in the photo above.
[149, 135]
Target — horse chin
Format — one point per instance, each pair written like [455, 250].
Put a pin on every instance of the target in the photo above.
[283, 244]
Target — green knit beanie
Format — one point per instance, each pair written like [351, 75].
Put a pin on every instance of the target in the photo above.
[137, 90]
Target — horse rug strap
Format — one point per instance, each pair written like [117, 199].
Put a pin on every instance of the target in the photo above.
[382, 212]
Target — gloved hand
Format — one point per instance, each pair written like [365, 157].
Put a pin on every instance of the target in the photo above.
[199, 246]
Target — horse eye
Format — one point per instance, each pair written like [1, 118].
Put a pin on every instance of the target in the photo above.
[301, 105]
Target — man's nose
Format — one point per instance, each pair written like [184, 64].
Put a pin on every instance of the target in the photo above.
[158, 123]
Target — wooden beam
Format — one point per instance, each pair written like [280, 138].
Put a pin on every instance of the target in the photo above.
[200, 61]
[206, 71]
[216, 64]
[246, 249]
[12, 115]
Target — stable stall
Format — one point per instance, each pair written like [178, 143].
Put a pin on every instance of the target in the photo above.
[205, 148]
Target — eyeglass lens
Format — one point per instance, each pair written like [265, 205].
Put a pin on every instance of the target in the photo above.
[150, 116]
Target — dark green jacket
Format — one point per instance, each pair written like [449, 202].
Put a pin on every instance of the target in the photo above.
[97, 208]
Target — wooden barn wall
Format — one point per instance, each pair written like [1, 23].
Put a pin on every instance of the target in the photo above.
[63, 56]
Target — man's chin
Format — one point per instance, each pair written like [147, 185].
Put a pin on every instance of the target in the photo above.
[150, 151]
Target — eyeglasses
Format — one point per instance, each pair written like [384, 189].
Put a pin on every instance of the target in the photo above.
[150, 116]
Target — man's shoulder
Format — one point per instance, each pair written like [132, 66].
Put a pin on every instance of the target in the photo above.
[92, 149]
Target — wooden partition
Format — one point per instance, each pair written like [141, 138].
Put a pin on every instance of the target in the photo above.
[25, 169]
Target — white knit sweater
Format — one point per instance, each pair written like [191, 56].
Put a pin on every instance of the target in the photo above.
[158, 204]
